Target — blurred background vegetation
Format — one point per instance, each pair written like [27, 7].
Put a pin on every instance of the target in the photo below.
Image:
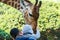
[49, 20]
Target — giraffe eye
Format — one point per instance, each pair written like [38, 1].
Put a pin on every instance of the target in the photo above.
[30, 15]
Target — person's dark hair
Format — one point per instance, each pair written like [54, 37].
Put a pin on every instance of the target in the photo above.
[14, 32]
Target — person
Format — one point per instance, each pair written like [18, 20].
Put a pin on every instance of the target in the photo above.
[28, 33]
[15, 32]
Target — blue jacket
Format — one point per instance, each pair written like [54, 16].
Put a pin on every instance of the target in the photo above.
[28, 33]
[23, 37]
[28, 29]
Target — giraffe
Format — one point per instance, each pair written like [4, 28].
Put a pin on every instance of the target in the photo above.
[30, 11]
[31, 14]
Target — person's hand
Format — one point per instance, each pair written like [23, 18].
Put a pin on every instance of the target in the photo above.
[20, 33]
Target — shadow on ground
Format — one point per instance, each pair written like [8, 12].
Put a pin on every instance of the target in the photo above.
[50, 34]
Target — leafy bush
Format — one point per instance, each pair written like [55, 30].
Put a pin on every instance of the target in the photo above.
[49, 16]
[4, 35]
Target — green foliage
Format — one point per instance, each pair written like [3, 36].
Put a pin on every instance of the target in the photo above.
[49, 18]
[4, 35]
[9, 18]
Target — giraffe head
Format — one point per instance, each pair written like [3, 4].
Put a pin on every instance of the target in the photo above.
[31, 15]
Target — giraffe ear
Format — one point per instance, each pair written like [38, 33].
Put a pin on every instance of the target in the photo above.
[36, 2]
[40, 3]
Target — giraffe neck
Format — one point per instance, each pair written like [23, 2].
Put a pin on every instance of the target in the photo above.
[13, 3]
